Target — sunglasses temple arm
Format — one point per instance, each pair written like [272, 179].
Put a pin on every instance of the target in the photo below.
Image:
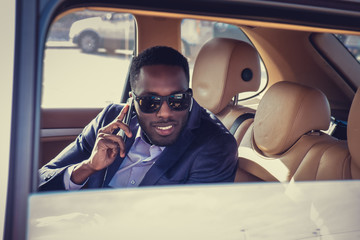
[191, 105]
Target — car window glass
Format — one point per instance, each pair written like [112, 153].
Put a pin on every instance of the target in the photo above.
[195, 33]
[351, 43]
[86, 59]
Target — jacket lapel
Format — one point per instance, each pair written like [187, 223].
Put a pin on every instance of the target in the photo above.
[167, 159]
[112, 169]
[173, 153]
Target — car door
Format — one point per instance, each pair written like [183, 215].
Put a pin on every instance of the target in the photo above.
[56, 96]
[24, 115]
[76, 85]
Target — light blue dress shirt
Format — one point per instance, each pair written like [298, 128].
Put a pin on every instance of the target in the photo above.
[136, 164]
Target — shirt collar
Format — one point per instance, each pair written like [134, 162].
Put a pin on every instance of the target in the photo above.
[140, 135]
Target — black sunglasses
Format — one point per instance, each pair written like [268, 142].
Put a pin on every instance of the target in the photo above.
[176, 101]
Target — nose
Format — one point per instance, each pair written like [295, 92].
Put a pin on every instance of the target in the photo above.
[164, 111]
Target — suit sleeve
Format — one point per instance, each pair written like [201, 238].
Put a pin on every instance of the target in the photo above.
[216, 162]
[51, 175]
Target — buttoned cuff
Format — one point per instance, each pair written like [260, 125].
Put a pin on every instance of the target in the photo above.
[70, 185]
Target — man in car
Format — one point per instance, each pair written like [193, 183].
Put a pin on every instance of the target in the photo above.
[170, 138]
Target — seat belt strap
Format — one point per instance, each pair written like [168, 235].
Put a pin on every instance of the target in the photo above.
[239, 120]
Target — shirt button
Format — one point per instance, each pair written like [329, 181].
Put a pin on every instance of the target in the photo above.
[132, 182]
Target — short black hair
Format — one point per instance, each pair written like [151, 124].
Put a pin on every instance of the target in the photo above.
[158, 55]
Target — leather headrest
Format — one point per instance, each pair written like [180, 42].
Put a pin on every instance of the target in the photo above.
[223, 68]
[285, 113]
[353, 129]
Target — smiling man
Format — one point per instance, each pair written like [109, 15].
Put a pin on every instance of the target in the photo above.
[170, 138]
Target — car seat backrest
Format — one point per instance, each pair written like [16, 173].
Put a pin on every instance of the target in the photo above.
[353, 135]
[285, 132]
[340, 159]
[224, 68]
[286, 112]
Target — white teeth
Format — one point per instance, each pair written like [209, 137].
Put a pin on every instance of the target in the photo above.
[165, 128]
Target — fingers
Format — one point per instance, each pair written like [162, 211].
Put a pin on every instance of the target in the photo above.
[107, 146]
[123, 112]
[118, 124]
[112, 142]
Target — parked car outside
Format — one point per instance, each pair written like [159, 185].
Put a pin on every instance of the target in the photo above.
[114, 31]
[111, 31]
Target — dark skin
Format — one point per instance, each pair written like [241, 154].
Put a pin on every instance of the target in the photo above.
[162, 128]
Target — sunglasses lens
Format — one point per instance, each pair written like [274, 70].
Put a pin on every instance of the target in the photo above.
[149, 104]
[179, 102]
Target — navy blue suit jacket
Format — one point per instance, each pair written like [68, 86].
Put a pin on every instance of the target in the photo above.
[205, 152]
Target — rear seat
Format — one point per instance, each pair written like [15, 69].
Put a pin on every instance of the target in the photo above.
[223, 69]
[285, 142]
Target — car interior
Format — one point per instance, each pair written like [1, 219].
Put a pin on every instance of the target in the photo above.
[282, 130]
[282, 76]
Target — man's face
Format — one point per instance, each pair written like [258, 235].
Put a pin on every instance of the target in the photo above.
[164, 126]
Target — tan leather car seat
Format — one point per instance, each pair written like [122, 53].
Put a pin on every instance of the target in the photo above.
[353, 136]
[286, 134]
[341, 159]
[223, 68]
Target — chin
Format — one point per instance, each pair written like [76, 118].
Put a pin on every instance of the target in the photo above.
[163, 142]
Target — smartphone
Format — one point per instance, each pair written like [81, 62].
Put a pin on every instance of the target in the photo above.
[127, 117]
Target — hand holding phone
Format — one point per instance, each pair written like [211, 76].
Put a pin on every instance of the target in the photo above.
[127, 117]
[106, 147]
